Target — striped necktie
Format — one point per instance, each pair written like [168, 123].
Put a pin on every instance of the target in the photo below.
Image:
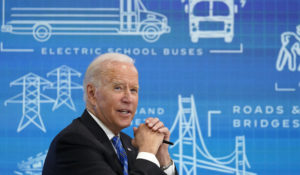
[121, 153]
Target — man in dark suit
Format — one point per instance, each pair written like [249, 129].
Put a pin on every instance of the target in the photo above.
[94, 144]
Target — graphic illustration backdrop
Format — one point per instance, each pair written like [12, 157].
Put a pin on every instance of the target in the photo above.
[223, 75]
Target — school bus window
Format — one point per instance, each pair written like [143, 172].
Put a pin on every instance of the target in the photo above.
[201, 9]
[220, 9]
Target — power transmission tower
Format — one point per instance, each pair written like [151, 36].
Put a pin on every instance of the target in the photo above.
[30, 98]
[64, 86]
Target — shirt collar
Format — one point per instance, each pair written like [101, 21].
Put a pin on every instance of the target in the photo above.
[107, 131]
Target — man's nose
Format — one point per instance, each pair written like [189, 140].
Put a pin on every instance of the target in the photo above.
[127, 96]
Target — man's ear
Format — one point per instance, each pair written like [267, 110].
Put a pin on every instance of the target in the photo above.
[91, 92]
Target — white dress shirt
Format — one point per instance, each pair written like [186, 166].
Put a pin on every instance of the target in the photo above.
[141, 155]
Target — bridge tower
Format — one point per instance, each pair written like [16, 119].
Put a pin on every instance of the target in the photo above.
[64, 85]
[240, 153]
[31, 98]
[186, 118]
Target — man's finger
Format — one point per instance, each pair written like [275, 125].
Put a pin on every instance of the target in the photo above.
[164, 130]
[157, 126]
[134, 130]
[152, 121]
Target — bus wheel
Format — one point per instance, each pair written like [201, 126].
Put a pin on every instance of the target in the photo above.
[41, 32]
[150, 33]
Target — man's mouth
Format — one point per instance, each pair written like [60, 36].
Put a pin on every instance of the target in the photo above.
[124, 111]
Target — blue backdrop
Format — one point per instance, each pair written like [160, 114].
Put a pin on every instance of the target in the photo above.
[223, 75]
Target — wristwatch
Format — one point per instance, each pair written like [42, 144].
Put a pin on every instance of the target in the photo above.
[167, 166]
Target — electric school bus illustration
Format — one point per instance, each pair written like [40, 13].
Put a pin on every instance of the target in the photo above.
[45, 18]
[211, 19]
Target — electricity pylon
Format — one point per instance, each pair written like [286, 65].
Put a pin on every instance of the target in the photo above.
[30, 98]
[64, 86]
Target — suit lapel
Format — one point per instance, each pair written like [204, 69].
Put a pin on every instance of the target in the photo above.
[100, 135]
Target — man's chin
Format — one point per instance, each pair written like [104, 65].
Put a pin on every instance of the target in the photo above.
[125, 124]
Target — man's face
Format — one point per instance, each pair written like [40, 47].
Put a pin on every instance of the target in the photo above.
[117, 97]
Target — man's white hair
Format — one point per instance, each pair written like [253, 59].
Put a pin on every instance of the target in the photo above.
[94, 71]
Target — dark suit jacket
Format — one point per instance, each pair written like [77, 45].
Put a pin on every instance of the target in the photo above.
[83, 148]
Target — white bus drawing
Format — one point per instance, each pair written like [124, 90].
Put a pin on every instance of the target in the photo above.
[211, 19]
[113, 17]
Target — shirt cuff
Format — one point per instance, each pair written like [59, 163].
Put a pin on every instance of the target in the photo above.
[170, 170]
[148, 156]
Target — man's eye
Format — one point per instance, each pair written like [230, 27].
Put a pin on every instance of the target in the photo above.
[134, 90]
[117, 88]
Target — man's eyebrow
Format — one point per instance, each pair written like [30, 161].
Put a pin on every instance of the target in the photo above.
[117, 82]
[120, 82]
[136, 86]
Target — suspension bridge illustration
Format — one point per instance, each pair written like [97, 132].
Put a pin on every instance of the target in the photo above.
[191, 155]
[31, 96]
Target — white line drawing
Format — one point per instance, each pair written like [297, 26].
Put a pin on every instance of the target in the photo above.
[289, 50]
[241, 50]
[18, 173]
[211, 18]
[283, 89]
[128, 17]
[14, 50]
[243, 3]
[30, 98]
[209, 115]
[188, 149]
[64, 86]
[33, 165]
